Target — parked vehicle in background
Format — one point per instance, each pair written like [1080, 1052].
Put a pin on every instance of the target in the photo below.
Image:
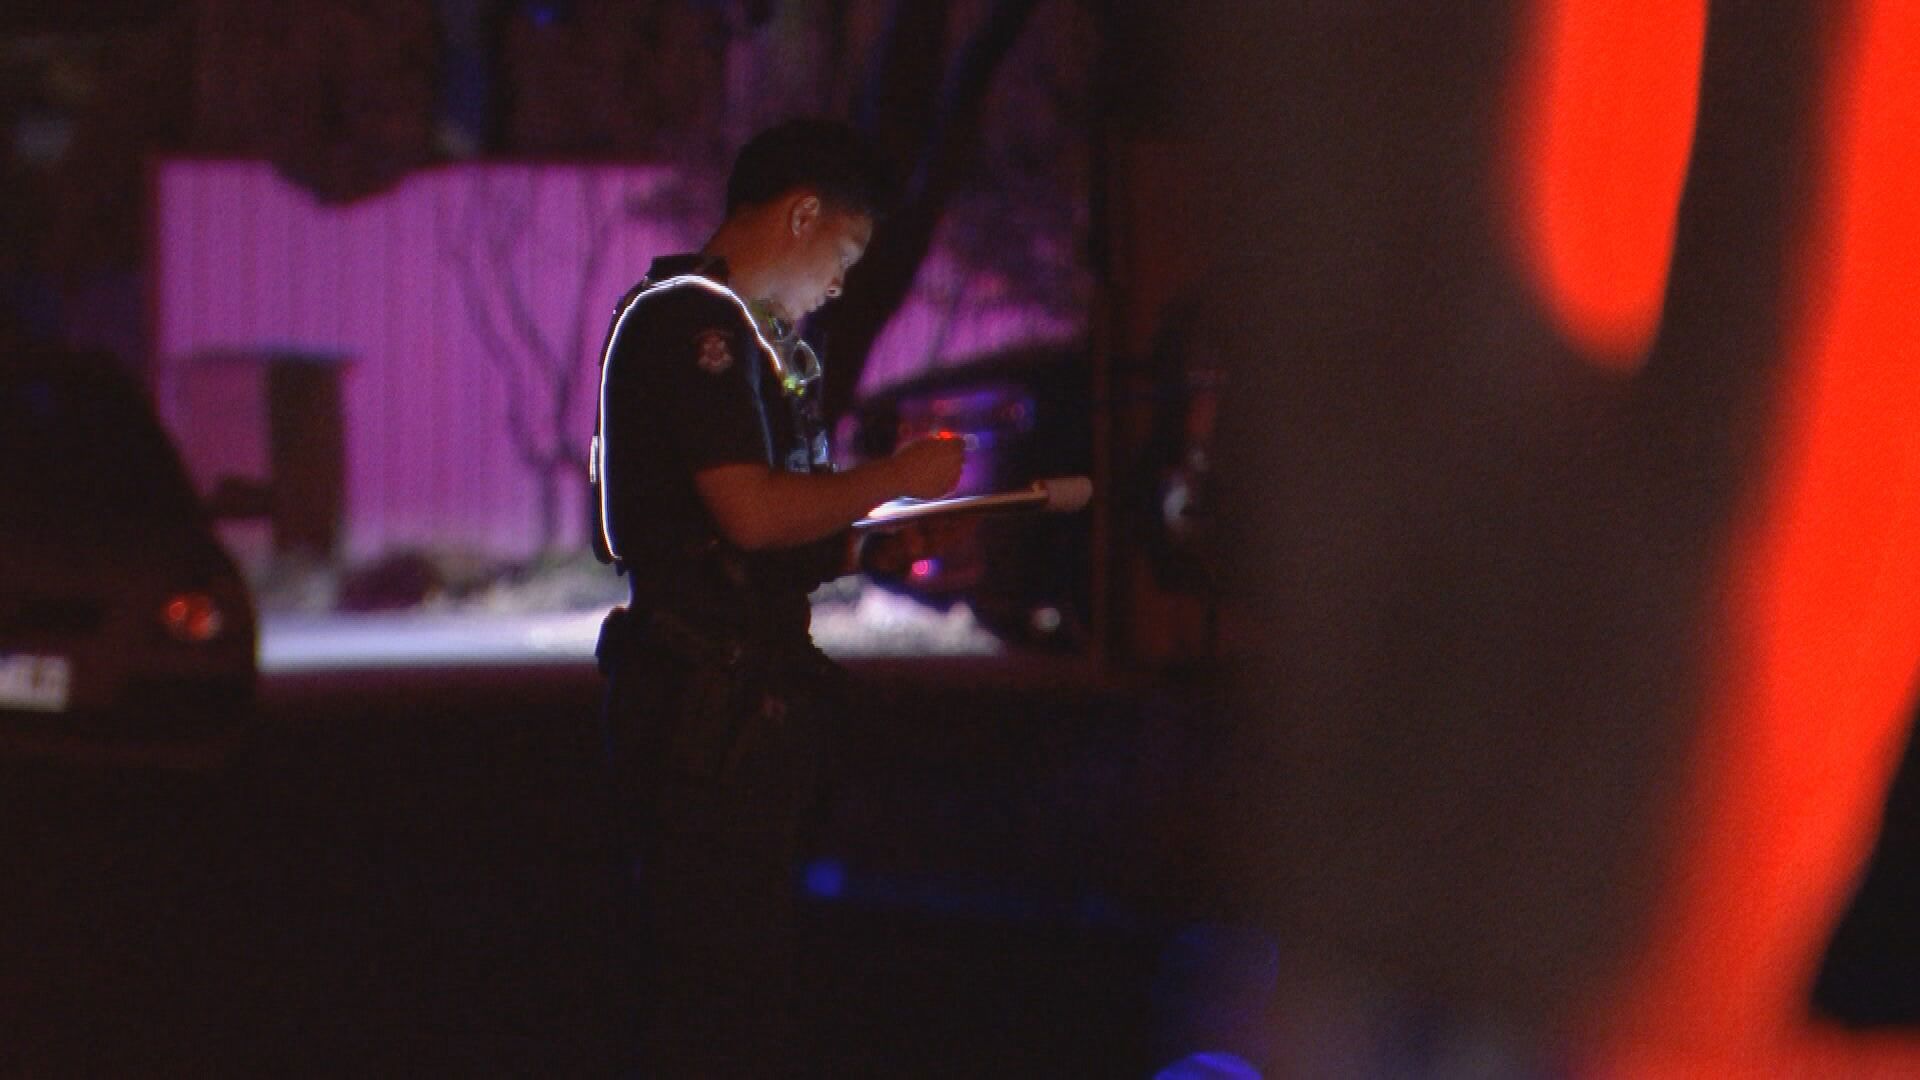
[1026, 417]
[127, 635]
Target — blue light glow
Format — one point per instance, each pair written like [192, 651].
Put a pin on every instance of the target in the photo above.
[826, 878]
[1209, 1065]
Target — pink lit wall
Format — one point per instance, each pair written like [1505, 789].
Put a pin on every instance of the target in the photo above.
[246, 263]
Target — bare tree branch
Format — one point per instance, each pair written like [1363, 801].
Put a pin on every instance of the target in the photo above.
[490, 252]
[499, 354]
[504, 249]
[883, 280]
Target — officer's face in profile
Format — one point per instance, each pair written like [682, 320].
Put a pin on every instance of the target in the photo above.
[826, 242]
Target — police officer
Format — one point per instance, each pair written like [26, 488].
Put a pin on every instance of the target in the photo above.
[717, 499]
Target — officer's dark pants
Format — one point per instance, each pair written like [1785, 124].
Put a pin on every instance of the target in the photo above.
[714, 797]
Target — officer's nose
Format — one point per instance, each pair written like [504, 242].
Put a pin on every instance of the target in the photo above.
[833, 290]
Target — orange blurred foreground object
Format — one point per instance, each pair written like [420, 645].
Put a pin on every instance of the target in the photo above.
[1605, 102]
[1820, 639]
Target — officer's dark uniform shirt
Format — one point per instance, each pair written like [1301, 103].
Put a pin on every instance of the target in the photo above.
[688, 387]
[718, 705]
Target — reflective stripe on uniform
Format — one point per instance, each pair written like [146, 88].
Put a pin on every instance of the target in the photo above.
[597, 459]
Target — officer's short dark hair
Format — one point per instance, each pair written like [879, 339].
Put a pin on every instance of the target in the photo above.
[825, 155]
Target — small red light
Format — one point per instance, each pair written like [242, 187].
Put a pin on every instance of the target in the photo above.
[923, 568]
[192, 617]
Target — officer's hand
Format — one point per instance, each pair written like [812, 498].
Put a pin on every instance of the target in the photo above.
[929, 468]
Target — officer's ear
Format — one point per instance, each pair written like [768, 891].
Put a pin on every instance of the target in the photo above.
[804, 213]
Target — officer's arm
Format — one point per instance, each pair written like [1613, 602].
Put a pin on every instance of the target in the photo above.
[756, 507]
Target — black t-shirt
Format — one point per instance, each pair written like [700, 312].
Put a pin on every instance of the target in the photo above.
[688, 386]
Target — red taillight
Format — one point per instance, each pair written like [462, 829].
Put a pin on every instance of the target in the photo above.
[193, 617]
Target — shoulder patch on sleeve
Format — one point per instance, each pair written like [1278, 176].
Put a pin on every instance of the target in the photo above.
[714, 354]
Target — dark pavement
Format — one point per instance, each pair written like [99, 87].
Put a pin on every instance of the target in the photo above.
[408, 872]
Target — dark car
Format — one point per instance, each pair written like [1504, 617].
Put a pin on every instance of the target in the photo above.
[1025, 416]
[127, 635]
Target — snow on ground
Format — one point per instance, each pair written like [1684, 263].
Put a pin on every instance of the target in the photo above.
[872, 623]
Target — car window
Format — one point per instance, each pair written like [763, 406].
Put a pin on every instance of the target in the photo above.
[81, 451]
